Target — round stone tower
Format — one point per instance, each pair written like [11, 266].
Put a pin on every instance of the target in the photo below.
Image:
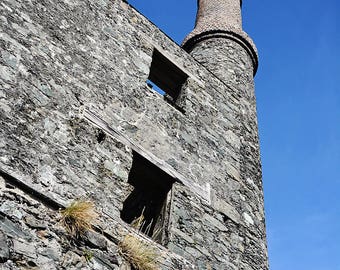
[219, 44]
[217, 20]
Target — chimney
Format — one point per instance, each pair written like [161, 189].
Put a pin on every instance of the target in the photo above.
[220, 19]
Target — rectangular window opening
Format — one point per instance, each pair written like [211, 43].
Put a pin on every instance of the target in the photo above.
[155, 87]
[146, 207]
[165, 77]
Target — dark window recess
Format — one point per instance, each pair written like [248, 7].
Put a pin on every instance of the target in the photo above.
[155, 87]
[166, 76]
[148, 199]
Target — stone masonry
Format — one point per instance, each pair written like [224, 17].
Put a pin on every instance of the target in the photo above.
[80, 120]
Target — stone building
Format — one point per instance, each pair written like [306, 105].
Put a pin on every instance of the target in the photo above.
[80, 120]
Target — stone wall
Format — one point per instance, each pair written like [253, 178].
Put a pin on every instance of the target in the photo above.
[75, 106]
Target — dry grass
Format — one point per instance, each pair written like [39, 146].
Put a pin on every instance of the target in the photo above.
[140, 254]
[139, 224]
[78, 217]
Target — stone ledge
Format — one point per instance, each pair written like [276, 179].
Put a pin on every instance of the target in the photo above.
[237, 35]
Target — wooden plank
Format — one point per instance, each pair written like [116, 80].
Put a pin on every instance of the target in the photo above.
[91, 117]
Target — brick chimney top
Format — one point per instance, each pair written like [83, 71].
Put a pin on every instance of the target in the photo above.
[218, 14]
[222, 19]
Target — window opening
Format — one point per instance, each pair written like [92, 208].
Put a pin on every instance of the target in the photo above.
[165, 77]
[155, 87]
[146, 206]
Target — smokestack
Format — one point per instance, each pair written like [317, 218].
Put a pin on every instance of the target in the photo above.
[220, 19]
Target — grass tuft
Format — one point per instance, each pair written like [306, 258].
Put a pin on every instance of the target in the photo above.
[88, 254]
[141, 225]
[78, 217]
[140, 254]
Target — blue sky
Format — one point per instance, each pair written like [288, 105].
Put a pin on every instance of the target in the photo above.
[298, 99]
